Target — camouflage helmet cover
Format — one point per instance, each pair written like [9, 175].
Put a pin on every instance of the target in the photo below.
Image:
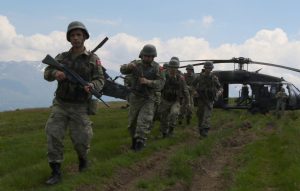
[148, 50]
[77, 25]
[166, 65]
[208, 65]
[174, 62]
[189, 67]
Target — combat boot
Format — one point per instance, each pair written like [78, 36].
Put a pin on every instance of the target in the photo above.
[55, 175]
[171, 132]
[139, 145]
[164, 135]
[204, 132]
[188, 120]
[83, 164]
[133, 143]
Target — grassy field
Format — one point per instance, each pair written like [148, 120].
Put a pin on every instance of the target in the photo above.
[242, 152]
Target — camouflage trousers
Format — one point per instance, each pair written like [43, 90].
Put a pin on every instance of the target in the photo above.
[141, 113]
[204, 114]
[64, 116]
[169, 114]
[186, 111]
[280, 107]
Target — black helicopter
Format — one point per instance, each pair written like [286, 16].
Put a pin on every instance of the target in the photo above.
[263, 88]
[259, 98]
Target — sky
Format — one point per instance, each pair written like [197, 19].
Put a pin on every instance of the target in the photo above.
[263, 30]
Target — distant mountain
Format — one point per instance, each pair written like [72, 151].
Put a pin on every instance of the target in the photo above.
[22, 85]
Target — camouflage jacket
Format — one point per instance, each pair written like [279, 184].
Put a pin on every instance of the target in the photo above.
[175, 88]
[152, 72]
[87, 65]
[207, 86]
[281, 96]
[189, 81]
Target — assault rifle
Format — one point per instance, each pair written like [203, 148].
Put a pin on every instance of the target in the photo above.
[76, 77]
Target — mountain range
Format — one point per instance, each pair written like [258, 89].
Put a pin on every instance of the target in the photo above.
[22, 85]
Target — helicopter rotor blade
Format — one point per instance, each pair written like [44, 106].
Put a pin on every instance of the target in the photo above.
[275, 65]
[239, 60]
[202, 63]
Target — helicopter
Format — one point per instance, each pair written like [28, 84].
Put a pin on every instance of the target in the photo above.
[257, 94]
[263, 88]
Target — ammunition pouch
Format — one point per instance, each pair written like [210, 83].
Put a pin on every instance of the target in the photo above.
[92, 107]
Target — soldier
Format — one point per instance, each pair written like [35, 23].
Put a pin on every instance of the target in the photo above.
[281, 97]
[208, 89]
[184, 111]
[146, 80]
[244, 99]
[175, 88]
[72, 101]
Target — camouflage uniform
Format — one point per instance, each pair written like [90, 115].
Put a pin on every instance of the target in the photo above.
[281, 97]
[184, 110]
[208, 88]
[70, 106]
[175, 88]
[142, 98]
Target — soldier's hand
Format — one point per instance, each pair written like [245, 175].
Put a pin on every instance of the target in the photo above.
[131, 65]
[144, 81]
[88, 88]
[59, 75]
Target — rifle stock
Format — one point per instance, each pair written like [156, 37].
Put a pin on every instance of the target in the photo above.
[49, 60]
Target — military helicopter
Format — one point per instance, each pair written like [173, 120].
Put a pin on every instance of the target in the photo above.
[256, 95]
[263, 87]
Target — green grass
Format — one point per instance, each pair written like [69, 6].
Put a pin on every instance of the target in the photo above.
[271, 161]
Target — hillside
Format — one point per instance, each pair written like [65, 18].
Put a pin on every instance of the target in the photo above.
[22, 85]
[242, 152]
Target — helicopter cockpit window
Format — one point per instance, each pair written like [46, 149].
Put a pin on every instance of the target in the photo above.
[293, 94]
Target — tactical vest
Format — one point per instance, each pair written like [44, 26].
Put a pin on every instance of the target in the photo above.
[69, 90]
[207, 87]
[148, 72]
[173, 88]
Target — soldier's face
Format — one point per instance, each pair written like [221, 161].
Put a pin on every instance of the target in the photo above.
[207, 71]
[77, 38]
[189, 71]
[172, 71]
[148, 59]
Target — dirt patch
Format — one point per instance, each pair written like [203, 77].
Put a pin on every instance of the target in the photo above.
[155, 165]
[209, 171]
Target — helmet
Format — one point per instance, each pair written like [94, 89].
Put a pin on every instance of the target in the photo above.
[175, 58]
[148, 50]
[189, 67]
[166, 65]
[76, 25]
[174, 62]
[208, 65]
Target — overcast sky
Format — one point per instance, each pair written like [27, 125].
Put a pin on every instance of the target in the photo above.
[263, 30]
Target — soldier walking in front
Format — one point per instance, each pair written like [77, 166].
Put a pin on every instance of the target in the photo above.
[147, 78]
[208, 89]
[72, 101]
[174, 88]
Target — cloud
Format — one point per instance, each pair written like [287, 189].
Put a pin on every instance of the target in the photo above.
[271, 46]
[207, 20]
